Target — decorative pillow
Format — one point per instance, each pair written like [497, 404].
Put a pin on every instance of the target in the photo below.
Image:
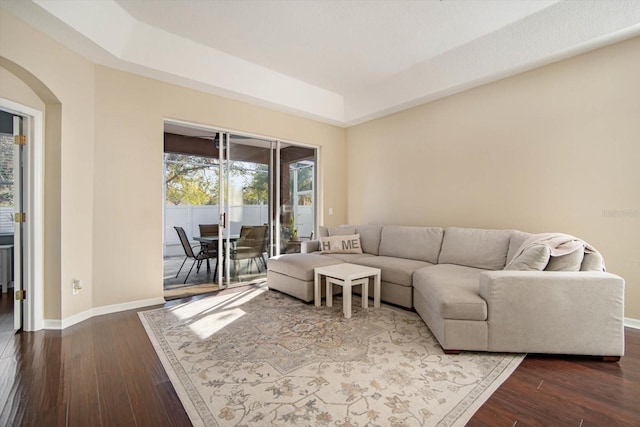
[342, 244]
[535, 258]
[568, 262]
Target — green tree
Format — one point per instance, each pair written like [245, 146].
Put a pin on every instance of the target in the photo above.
[256, 188]
[305, 178]
[191, 180]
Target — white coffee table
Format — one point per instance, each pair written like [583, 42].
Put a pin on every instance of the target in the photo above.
[347, 276]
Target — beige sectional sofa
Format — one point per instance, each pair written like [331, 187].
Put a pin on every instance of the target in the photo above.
[481, 290]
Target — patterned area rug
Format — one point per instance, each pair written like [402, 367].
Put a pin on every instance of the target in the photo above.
[261, 358]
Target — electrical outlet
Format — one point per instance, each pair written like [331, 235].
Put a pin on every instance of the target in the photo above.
[77, 286]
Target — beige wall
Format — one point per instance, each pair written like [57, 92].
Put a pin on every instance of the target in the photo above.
[64, 81]
[14, 89]
[104, 138]
[128, 171]
[554, 149]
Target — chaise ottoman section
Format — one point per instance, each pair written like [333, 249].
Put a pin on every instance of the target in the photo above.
[448, 297]
[292, 274]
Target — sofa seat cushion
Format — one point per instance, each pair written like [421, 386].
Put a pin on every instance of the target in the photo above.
[453, 291]
[300, 266]
[350, 258]
[394, 270]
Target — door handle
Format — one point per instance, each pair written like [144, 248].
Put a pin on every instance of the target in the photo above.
[223, 219]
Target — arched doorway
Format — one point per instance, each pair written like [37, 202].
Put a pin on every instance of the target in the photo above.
[30, 265]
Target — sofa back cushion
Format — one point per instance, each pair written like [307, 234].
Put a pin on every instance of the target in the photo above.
[534, 258]
[592, 261]
[370, 238]
[569, 262]
[475, 247]
[419, 243]
[516, 240]
[342, 230]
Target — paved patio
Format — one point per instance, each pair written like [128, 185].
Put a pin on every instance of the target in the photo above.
[248, 274]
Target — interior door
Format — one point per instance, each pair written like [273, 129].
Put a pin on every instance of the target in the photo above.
[18, 152]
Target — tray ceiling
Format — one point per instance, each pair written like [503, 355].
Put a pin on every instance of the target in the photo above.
[339, 62]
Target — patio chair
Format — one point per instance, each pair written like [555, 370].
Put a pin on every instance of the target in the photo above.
[188, 251]
[209, 230]
[251, 245]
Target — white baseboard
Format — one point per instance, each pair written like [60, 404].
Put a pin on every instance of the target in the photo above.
[52, 324]
[631, 323]
[99, 311]
[115, 308]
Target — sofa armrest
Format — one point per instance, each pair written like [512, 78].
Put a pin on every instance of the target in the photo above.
[309, 246]
[554, 312]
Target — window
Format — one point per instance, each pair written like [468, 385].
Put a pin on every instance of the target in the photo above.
[6, 183]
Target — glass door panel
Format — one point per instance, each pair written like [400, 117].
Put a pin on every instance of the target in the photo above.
[297, 196]
[246, 185]
[191, 203]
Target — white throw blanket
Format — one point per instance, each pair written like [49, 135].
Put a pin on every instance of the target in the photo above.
[559, 244]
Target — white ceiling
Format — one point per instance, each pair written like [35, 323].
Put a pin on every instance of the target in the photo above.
[342, 62]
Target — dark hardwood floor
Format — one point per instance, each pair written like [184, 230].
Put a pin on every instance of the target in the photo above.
[104, 372]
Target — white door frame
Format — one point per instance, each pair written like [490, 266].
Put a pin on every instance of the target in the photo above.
[33, 192]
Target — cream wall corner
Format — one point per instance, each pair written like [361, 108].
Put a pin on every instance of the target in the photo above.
[553, 149]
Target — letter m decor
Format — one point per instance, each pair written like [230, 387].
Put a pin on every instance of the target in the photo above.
[350, 244]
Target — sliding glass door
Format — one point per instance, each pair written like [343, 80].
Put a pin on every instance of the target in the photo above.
[240, 198]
